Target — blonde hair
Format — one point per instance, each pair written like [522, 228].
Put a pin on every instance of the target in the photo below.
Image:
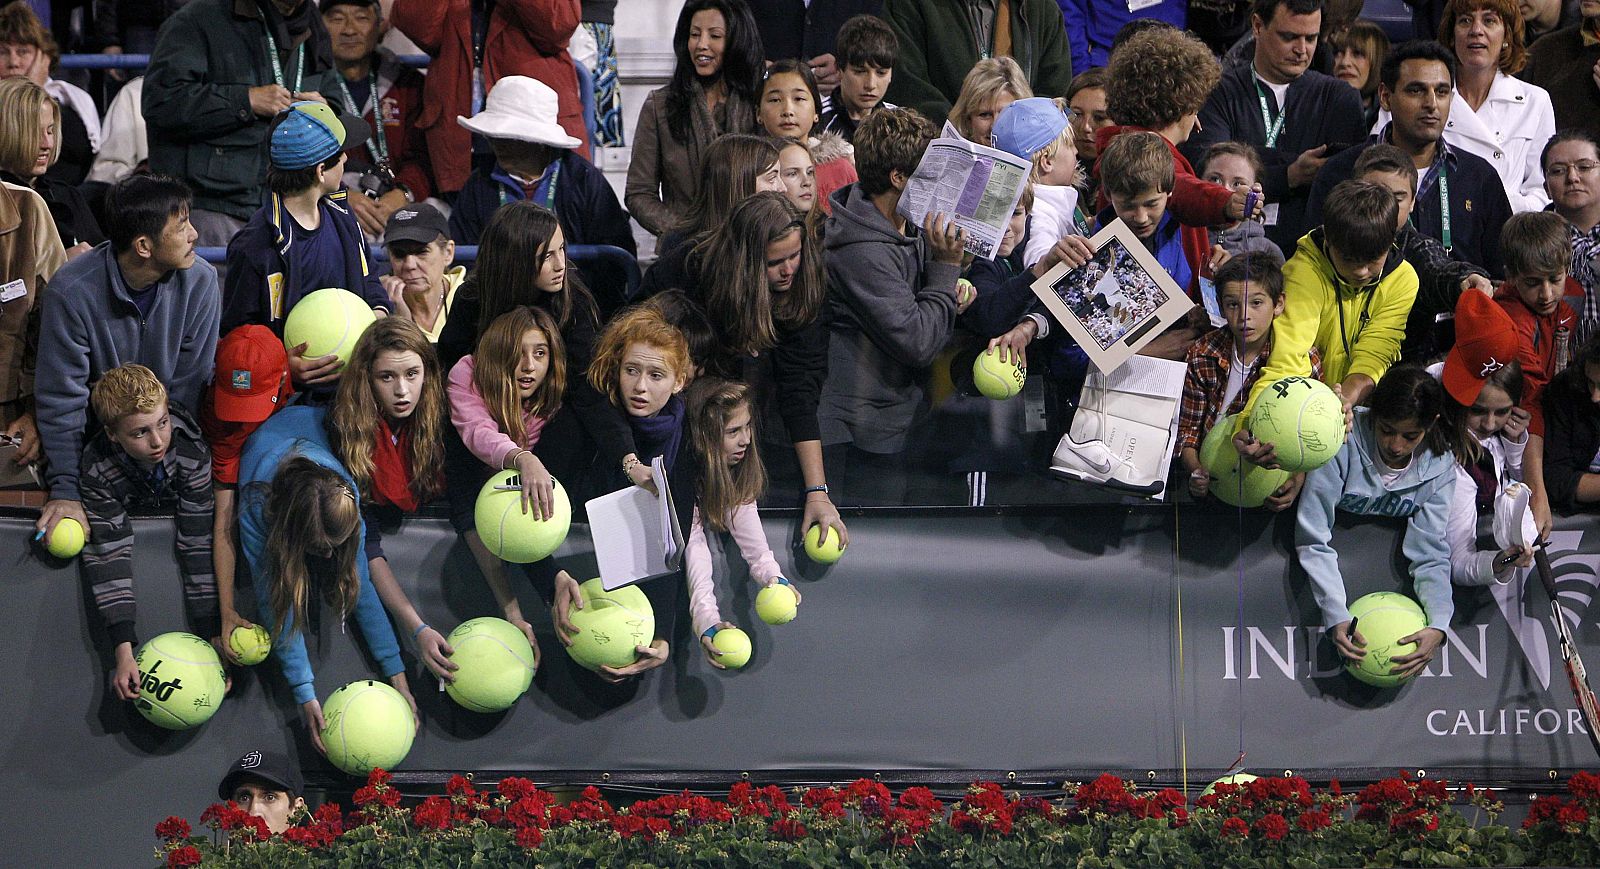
[20, 102]
[353, 419]
[640, 324]
[1049, 151]
[495, 363]
[723, 489]
[125, 390]
[986, 80]
[310, 508]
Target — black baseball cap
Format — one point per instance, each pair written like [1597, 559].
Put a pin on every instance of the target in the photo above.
[418, 222]
[270, 767]
[364, 4]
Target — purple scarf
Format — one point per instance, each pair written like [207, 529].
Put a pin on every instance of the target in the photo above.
[661, 434]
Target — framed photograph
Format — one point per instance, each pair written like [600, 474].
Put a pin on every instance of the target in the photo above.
[1117, 302]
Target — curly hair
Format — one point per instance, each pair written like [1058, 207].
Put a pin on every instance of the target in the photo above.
[1158, 77]
[890, 140]
[352, 422]
[125, 390]
[640, 324]
[1513, 50]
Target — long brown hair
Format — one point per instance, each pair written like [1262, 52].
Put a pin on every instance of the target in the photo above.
[509, 253]
[1453, 418]
[728, 175]
[352, 422]
[310, 508]
[495, 363]
[733, 274]
[712, 403]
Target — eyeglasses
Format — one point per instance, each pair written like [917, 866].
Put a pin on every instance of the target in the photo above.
[1560, 170]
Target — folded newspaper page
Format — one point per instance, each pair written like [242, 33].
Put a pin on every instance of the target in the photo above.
[976, 186]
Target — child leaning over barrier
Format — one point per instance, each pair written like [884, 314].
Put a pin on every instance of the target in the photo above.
[150, 452]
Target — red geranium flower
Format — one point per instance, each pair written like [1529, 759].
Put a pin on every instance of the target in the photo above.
[514, 788]
[1273, 826]
[529, 837]
[1314, 821]
[1572, 817]
[1180, 817]
[458, 785]
[1235, 827]
[432, 814]
[188, 855]
[1584, 785]
[173, 828]
[378, 777]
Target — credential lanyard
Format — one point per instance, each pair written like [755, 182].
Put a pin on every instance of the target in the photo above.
[277, 65]
[1274, 125]
[378, 143]
[549, 191]
[1444, 205]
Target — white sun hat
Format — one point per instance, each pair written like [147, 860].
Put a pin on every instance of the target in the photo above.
[521, 108]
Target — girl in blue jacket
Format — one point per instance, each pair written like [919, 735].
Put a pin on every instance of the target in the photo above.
[1395, 462]
[301, 532]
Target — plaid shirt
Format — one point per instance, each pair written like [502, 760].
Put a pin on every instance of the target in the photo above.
[1207, 382]
[1586, 271]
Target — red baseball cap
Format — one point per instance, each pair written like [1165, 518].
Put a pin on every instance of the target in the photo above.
[1486, 340]
[252, 375]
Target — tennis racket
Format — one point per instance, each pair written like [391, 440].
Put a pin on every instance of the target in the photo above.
[1569, 651]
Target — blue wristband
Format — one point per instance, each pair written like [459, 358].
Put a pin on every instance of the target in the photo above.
[711, 632]
[782, 581]
[418, 632]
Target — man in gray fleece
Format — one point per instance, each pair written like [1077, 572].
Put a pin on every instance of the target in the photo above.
[140, 297]
[893, 302]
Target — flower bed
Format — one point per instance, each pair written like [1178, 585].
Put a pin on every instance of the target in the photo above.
[1106, 822]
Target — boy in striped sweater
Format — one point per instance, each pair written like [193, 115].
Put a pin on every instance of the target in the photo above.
[150, 453]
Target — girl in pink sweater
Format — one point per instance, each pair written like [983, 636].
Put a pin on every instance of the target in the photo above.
[500, 398]
[732, 478]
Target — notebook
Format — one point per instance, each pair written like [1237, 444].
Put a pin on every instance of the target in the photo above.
[636, 533]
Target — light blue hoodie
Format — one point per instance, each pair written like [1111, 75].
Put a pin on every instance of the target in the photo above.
[1351, 482]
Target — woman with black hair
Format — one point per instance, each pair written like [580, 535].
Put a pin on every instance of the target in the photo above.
[712, 92]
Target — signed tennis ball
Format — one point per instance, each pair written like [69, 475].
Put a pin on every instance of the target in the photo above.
[368, 725]
[610, 625]
[513, 535]
[1382, 618]
[328, 322]
[1303, 420]
[66, 539]
[181, 681]
[494, 664]
[776, 604]
[734, 645]
[826, 552]
[995, 379]
[1238, 482]
[251, 644]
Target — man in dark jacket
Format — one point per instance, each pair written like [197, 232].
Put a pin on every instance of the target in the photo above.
[221, 70]
[805, 30]
[1567, 64]
[1291, 114]
[941, 40]
[1460, 201]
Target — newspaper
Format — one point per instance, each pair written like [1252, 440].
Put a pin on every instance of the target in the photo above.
[975, 185]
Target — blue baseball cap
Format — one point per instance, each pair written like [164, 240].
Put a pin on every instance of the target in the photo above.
[309, 132]
[1026, 126]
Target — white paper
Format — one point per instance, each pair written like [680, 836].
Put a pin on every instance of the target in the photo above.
[636, 534]
[976, 186]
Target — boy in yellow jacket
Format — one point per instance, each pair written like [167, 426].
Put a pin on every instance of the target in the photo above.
[1348, 291]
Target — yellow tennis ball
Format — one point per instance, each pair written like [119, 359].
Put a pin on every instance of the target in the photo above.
[66, 539]
[328, 322]
[513, 535]
[368, 724]
[995, 379]
[1238, 778]
[181, 681]
[964, 291]
[494, 664]
[827, 552]
[1382, 618]
[776, 604]
[1238, 482]
[1304, 421]
[251, 644]
[734, 645]
[610, 625]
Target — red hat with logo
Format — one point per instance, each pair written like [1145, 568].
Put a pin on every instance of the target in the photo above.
[1486, 341]
[252, 375]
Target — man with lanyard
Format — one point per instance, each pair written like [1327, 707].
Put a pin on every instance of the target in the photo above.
[1294, 116]
[535, 159]
[1460, 201]
[389, 169]
[206, 121]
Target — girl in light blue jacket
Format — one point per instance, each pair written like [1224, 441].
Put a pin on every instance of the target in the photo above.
[1395, 462]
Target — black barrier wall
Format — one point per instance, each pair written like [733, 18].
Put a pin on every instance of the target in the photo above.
[964, 640]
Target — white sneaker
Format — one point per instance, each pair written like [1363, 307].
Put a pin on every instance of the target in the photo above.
[1094, 462]
[1513, 521]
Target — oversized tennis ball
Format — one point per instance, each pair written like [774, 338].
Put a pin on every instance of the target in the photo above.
[776, 604]
[368, 725]
[495, 664]
[826, 552]
[181, 681]
[734, 645]
[251, 644]
[1237, 778]
[66, 539]
[1238, 482]
[513, 535]
[328, 322]
[1382, 618]
[1303, 420]
[610, 625]
[995, 379]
